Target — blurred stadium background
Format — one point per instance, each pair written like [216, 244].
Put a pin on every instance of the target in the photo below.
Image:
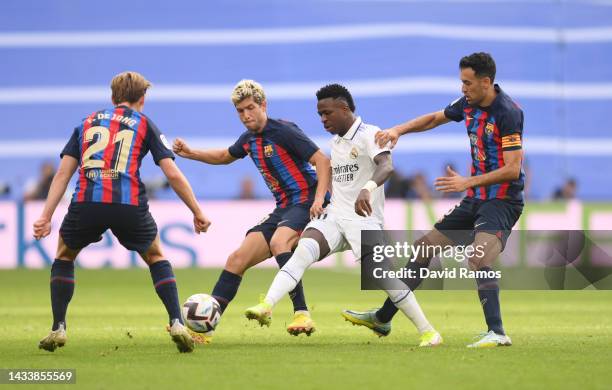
[399, 58]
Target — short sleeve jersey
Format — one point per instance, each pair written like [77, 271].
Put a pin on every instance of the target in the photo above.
[281, 152]
[491, 131]
[352, 161]
[110, 145]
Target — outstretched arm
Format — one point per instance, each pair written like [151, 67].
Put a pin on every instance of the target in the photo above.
[69, 164]
[181, 186]
[323, 167]
[457, 183]
[383, 171]
[422, 123]
[208, 156]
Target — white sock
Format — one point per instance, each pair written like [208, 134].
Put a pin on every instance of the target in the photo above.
[306, 254]
[405, 301]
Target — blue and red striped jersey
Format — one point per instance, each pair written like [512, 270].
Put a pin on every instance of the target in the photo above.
[281, 153]
[110, 145]
[491, 130]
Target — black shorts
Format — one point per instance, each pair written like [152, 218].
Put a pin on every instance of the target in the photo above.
[495, 216]
[85, 223]
[295, 217]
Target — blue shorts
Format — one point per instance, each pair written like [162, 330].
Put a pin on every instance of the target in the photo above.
[295, 217]
[85, 223]
[495, 216]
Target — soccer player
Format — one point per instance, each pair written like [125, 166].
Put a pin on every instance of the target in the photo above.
[494, 200]
[359, 168]
[108, 148]
[283, 154]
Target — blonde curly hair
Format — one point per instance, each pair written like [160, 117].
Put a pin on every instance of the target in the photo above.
[248, 88]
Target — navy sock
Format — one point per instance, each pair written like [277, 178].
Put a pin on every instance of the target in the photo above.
[62, 289]
[165, 286]
[226, 288]
[388, 310]
[297, 294]
[488, 292]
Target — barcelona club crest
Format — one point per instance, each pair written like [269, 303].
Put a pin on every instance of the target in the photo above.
[490, 128]
[268, 150]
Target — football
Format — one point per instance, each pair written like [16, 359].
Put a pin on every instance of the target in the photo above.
[201, 313]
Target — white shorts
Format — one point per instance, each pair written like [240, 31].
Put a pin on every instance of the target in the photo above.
[342, 234]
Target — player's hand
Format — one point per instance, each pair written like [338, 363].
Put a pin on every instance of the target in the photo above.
[362, 204]
[181, 148]
[317, 208]
[453, 182]
[385, 136]
[42, 228]
[200, 223]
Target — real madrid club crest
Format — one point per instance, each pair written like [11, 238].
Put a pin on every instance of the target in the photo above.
[490, 128]
[354, 153]
[268, 150]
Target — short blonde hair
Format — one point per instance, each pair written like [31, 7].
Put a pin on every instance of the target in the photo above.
[128, 87]
[248, 88]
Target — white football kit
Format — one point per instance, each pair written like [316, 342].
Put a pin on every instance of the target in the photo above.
[352, 164]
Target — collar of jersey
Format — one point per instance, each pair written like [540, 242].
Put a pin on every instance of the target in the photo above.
[350, 134]
[496, 100]
[498, 97]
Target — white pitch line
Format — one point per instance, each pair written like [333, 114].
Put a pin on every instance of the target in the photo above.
[301, 35]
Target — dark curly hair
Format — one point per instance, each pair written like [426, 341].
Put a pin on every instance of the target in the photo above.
[482, 64]
[336, 91]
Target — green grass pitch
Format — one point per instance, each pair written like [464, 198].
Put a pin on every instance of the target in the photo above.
[116, 337]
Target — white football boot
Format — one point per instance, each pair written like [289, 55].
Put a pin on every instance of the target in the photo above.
[56, 338]
[490, 340]
[181, 337]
